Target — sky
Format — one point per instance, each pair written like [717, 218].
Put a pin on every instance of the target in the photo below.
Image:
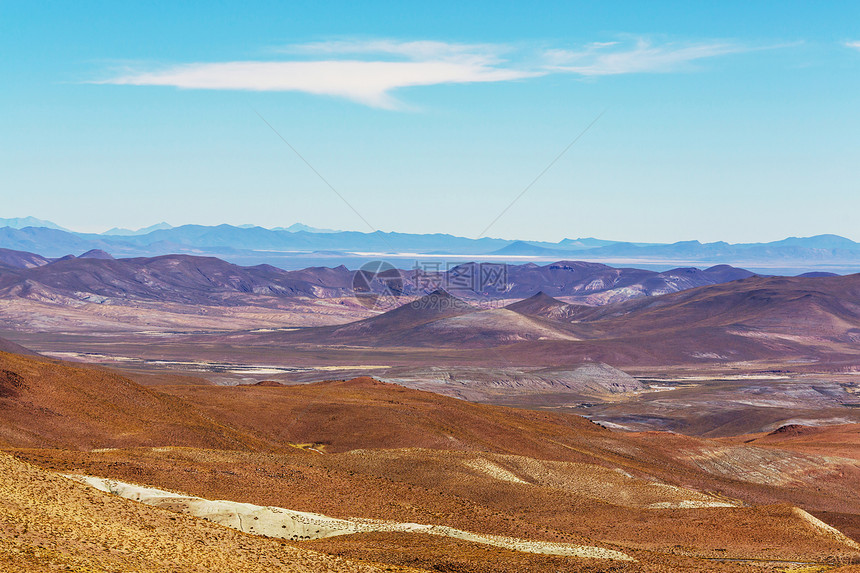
[639, 121]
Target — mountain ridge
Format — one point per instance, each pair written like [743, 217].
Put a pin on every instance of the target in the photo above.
[210, 280]
[262, 243]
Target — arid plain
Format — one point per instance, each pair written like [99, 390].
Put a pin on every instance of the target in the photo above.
[627, 422]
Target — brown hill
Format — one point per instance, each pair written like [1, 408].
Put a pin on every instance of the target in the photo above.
[496, 471]
[364, 413]
[51, 404]
[841, 439]
[803, 305]
[380, 451]
[755, 318]
[485, 328]
[544, 306]
[434, 306]
[437, 319]
[391, 328]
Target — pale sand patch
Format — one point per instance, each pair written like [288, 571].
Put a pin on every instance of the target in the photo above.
[289, 524]
[493, 470]
[690, 504]
[352, 367]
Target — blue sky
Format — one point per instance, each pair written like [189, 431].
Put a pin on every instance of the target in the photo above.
[734, 121]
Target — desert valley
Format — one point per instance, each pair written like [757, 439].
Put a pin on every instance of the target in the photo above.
[587, 418]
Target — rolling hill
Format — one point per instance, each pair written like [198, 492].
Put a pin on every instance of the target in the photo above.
[751, 319]
[54, 523]
[52, 404]
[815, 307]
[94, 291]
[209, 280]
[364, 413]
[21, 259]
[370, 451]
[180, 279]
[9, 346]
[437, 319]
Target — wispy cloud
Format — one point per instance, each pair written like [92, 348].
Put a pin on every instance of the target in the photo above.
[612, 58]
[369, 72]
[853, 44]
[345, 70]
[422, 50]
[369, 83]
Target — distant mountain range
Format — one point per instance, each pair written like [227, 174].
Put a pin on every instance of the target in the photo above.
[119, 232]
[21, 222]
[296, 227]
[299, 246]
[116, 231]
[97, 277]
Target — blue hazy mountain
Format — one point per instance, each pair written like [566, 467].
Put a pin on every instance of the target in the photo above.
[296, 227]
[51, 242]
[259, 238]
[116, 231]
[814, 249]
[818, 242]
[254, 245]
[527, 249]
[22, 222]
[584, 243]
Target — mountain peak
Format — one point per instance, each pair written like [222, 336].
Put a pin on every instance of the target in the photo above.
[120, 232]
[298, 227]
[96, 254]
[23, 222]
[536, 304]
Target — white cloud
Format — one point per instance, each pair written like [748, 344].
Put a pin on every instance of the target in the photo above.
[422, 50]
[611, 58]
[369, 71]
[369, 83]
[366, 81]
[855, 45]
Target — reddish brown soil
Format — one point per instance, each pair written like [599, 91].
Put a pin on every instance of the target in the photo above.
[393, 453]
[51, 404]
[366, 413]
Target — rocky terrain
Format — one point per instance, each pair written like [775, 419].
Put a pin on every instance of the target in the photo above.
[487, 486]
